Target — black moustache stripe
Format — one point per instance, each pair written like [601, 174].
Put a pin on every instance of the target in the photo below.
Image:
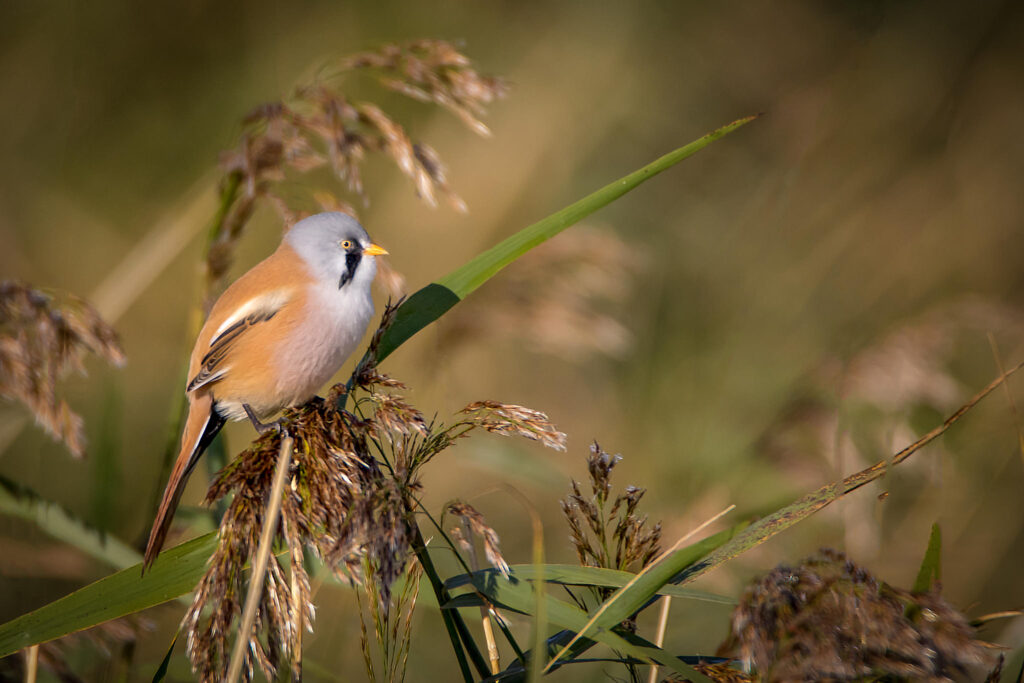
[351, 263]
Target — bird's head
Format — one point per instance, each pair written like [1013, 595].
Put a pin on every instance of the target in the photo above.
[336, 248]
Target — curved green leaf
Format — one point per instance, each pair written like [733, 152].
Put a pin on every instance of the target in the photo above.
[174, 573]
[931, 566]
[434, 300]
[519, 596]
[575, 575]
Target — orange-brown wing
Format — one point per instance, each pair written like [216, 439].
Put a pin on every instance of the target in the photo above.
[213, 367]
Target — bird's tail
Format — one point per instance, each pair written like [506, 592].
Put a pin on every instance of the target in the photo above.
[201, 426]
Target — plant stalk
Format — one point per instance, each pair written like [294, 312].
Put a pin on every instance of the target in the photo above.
[31, 663]
[456, 627]
[659, 638]
[259, 569]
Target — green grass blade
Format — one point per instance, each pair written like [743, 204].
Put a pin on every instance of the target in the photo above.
[626, 601]
[931, 566]
[458, 634]
[520, 596]
[431, 302]
[575, 575]
[161, 672]
[20, 501]
[174, 573]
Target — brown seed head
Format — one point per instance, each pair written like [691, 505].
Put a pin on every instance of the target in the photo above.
[42, 338]
[827, 618]
[472, 516]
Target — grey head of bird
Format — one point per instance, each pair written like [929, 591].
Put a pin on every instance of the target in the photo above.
[336, 248]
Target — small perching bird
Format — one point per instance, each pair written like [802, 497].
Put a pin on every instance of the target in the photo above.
[273, 338]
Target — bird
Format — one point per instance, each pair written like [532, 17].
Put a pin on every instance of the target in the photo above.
[272, 339]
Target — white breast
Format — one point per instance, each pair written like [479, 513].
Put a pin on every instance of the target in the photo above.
[335, 322]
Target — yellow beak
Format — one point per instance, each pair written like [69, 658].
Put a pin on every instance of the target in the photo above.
[374, 250]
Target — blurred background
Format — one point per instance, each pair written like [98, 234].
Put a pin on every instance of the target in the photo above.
[797, 301]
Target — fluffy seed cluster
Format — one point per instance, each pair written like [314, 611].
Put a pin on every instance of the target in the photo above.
[512, 420]
[319, 127]
[334, 485]
[354, 480]
[42, 338]
[595, 530]
[478, 526]
[828, 619]
[434, 71]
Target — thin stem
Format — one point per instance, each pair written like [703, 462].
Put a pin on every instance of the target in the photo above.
[31, 663]
[252, 598]
[462, 641]
[659, 638]
[485, 616]
[299, 607]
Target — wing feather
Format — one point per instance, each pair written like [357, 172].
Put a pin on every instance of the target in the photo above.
[213, 366]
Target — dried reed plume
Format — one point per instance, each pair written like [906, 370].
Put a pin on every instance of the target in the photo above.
[508, 420]
[319, 127]
[434, 71]
[472, 517]
[595, 530]
[354, 477]
[42, 338]
[829, 619]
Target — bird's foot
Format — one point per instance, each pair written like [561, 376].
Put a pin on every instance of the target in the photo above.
[263, 427]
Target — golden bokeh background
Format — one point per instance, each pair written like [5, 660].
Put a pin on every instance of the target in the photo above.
[800, 299]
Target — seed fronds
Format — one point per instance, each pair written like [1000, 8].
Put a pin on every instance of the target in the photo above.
[828, 618]
[331, 473]
[509, 419]
[318, 127]
[43, 337]
[472, 517]
[596, 529]
[353, 485]
[434, 71]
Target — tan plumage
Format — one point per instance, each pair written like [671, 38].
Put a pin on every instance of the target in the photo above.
[273, 339]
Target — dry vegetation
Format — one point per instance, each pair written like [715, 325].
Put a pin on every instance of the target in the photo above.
[354, 503]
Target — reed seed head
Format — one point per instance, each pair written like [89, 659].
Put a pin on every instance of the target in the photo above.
[42, 338]
[478, 526]
[828, 618]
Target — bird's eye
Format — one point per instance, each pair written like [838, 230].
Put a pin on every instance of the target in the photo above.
[346, 244]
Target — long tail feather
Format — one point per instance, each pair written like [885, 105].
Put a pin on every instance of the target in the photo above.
[201, 426]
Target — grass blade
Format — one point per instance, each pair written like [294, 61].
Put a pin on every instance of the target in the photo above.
[575, 575]
[931, 566]
[641, 588]
[453, 623]
[520, 596]
[782, 519]
[431, 302]
[174, 573]
[161, 672]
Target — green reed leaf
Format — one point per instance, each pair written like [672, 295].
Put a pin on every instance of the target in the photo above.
[174, 573]
[434, 300]
[519, 596]
[931, 566]
[575, 575]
